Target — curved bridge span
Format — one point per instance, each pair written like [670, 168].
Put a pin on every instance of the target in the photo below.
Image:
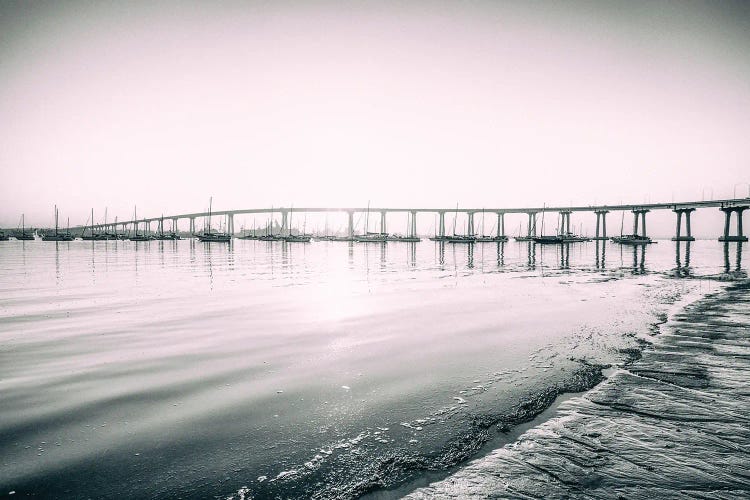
[681, 209]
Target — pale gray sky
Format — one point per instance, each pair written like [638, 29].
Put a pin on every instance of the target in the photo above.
[337, 103]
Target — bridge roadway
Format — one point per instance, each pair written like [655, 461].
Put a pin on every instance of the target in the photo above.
[729, 206]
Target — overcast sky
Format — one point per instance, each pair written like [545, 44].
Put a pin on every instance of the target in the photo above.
[496, 104]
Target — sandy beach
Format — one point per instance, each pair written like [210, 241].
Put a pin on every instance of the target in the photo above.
[671, 424]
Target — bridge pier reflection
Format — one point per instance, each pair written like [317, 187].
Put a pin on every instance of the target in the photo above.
[639, 259]
[601, 254]
[736, 271]
[565, 256]
[682, 269]
[531, 255]
[441, 254]
[501, 254]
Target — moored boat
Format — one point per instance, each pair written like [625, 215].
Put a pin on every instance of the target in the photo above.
[296, 238]
[560, 238]
[406, 239]
[370, 237]
[136, 236]
[461, 238]
[632, 239]
[209, 236]
[491, 239]
[212, 237]
[57, 235]
[23, 234]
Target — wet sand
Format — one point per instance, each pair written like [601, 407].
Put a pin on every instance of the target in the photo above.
[673, 423]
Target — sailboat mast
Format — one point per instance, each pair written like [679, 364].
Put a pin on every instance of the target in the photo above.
[55, 220]
[455, 216]
[367, 218]
[210, 202]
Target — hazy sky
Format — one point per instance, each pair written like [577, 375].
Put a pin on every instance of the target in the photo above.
[336, 103]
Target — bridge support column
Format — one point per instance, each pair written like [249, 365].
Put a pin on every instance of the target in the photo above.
[350, 215]
[678, 232]
[470, 225]
[727, 220]
[639, 214]
[230, 224]
[192, 225]
[383, 227]
[441, 224]
[565, 222]
[601, 222]
[174, 225]
[284, 221]
[413, 225]
[500, 224]
[148, 227]
[531, 232]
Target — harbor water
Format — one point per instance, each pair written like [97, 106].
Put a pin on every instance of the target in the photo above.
[178, 369]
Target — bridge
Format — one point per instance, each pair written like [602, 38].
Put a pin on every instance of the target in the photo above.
[682, 210]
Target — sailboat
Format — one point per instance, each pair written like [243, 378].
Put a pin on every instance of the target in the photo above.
[562, 236]
[295, 238]
[553, 238]
[269, 236]
[250, 236]
[106, 234]
[630, 239]
[23, 235]
[371, 237]
[489, 238]
[161, 235]
[57, 235]
[136, 236]
[119, 236]
[207, 236]
[326, 236]
[460, 238]
[91, 235]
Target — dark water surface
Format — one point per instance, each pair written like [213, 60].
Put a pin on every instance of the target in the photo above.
[325, 370]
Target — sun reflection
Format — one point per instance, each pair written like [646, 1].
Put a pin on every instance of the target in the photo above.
[336, 298]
